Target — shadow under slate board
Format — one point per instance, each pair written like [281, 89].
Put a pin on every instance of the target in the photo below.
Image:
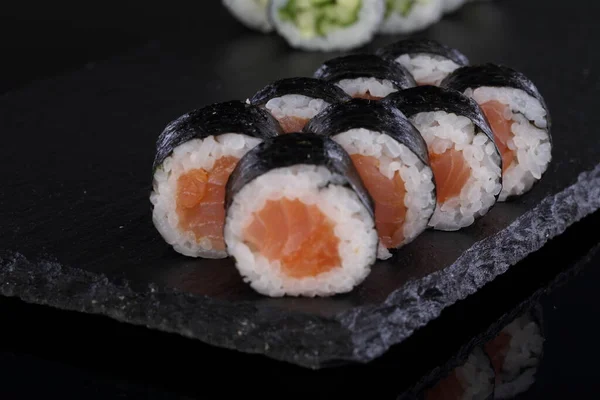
[77, 230]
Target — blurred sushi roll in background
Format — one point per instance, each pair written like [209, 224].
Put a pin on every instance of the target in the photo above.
[324, 25]
[466, 163]
[391, 158]
[407, 16]
[474, 380]
[518, 116]
[365, 76]
[252, 13]
[299, 220]
[452, 5]
[427, 60]
[516, 353]
[294, 101]
[194, 156]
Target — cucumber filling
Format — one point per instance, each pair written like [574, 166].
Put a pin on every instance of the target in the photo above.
[320, 17]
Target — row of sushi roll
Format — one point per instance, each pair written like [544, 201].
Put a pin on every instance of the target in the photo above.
[328, 25]
[502, 368]
[312, 179]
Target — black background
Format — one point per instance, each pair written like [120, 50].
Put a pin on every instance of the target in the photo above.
[38, 357]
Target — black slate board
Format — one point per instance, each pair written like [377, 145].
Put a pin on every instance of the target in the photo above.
[78, 154]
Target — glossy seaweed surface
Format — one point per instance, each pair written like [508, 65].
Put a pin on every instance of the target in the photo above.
[76, 217]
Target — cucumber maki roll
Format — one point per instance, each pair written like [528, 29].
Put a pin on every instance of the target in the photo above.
[519, 117]
[391, 158]
[327, 25]
[407, 16]
[453, 5]
[195, 155]
[251, 13]
[294, 101]
[465, 161]
[427, 60]
[299, 220]
[365, 76]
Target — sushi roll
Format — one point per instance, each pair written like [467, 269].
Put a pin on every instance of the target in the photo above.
[251, 13]
[323, 25]
[466, 163]
[427, 60]
[453, 5]
[391, 158]
[294, 101]
[474, 380]
[299, 220]
[365, 76]
[519, 118]
[194, 156]
[407, 16]
[516, 353]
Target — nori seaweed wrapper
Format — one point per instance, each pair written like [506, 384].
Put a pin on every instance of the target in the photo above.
[310, 87]
[365, 65]
[226, 117]
[294, 149]
[493, 75]
[372, 115]
[419, 46]
[432, 98]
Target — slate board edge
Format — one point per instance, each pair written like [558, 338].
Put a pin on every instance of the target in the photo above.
[359, 335]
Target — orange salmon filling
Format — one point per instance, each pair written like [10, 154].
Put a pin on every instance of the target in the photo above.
[367, 96]
[300, 236]
[291, 124]
[451, 172]
[388, 195]
[496, 350]
[448, 388]
[199, 201]
[494, 112]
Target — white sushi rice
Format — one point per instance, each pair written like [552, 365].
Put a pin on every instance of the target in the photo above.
[360, 86]
[345, 38]
[396, 157]
[311, 184]
[476, 376]
[427, 69]
[193, 154]
[422, 14]
[522, 358]
[442, 131]
[252, 13]
[531, 139]
[295, 105]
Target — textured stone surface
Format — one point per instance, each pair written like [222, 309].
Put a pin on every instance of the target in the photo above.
[77, 231]
[360, 334]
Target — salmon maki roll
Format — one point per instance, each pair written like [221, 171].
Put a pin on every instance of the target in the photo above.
[466, 163]
[473, 380]
[299, 220]
[519, 118]
[294, 101]
[194, 157]
[516, 353]
[391, 158]
[365, 76]
[427, 60]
